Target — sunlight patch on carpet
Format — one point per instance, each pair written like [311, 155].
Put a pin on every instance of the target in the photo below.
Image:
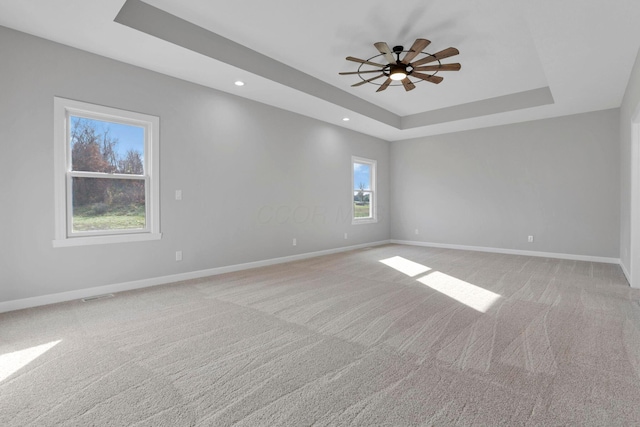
[12, 362]
[405, 266]
[470, 295]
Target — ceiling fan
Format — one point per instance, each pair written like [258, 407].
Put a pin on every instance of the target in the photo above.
[401, 70]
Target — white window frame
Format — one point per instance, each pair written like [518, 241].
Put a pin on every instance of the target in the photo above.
[373, 199]
[63, 109]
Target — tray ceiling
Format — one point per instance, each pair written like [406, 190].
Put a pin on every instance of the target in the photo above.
[520, 60]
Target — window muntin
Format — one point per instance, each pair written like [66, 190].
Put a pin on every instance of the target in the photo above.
[363, 190]
[106, 167]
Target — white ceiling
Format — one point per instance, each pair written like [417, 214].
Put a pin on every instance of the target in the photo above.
[521, 60]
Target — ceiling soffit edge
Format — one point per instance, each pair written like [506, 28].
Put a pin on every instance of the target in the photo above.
[157, 23]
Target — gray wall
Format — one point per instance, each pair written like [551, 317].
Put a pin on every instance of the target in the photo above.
[253, 176]
[629, 105]
[556, 179]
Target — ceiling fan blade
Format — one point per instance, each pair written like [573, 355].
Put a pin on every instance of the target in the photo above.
[408, 84]
[346, 73]
[383, 48]
[362, 61]
[427, 77]
[418, 46]
[368, 80]
[384, 85]
[450, 51]
[442, 67]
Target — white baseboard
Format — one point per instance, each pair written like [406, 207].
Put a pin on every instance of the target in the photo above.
[626, 272]
[20, 304]
[511, 251]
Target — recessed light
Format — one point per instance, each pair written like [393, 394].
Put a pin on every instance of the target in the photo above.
[346, 119]
[239, 83]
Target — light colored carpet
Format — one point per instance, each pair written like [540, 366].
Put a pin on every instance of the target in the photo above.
[338, 340]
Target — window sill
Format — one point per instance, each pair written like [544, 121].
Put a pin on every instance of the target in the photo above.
[102, 240]
[364, 221]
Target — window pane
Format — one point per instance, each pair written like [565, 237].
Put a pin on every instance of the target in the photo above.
[361, 176]
[99, 146]
[108, 204]
[362, 204]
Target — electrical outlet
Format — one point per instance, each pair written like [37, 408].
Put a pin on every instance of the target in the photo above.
[178, 255]
[178, 194]
[345, 236]
[295, 241]
[530, 239]
[417, 231]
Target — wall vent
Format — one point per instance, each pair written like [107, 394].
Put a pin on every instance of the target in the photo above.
[97, 297]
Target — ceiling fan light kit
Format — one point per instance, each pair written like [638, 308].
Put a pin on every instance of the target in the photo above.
[397, 72]
[402, 70]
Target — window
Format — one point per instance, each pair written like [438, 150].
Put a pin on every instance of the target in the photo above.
[363, 185]
[106, 174]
